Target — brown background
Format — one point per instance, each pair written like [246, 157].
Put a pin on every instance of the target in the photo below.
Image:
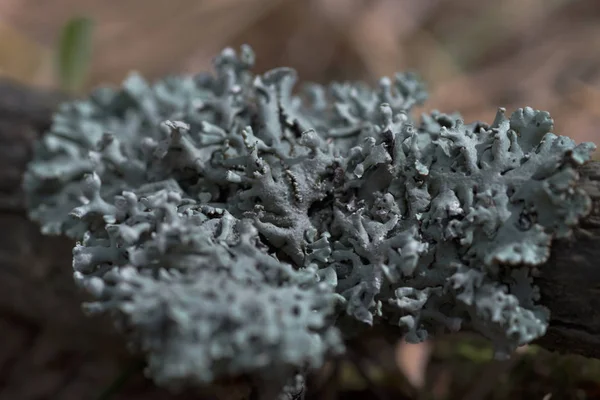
[475, 55]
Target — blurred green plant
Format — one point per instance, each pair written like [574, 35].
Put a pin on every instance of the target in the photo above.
[74, 54]
[474, 352]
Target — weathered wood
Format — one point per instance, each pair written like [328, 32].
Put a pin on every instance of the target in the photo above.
[570, 281]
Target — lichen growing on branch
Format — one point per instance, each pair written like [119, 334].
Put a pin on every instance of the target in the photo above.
[233, 226]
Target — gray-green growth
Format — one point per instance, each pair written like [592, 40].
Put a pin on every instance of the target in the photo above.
[232, 226]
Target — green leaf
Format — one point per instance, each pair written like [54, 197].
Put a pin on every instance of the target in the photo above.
[474, 353]
[74, 53]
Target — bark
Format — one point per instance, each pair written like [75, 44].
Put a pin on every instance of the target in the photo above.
[570, 280]
[51, 350]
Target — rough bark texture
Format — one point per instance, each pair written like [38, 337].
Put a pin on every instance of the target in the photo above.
[50, 350]
[570, 281]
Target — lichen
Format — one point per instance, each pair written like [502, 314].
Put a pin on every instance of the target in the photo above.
[233, 226]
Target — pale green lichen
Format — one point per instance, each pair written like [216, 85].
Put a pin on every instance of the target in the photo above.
[233, 226]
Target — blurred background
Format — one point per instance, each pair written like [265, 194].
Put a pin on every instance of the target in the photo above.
[474, 55]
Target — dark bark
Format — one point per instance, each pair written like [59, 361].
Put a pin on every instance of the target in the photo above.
[570, 280]
[34, 282]
[39, 305]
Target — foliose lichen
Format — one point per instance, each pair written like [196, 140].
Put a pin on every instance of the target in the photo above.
[233, 226]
